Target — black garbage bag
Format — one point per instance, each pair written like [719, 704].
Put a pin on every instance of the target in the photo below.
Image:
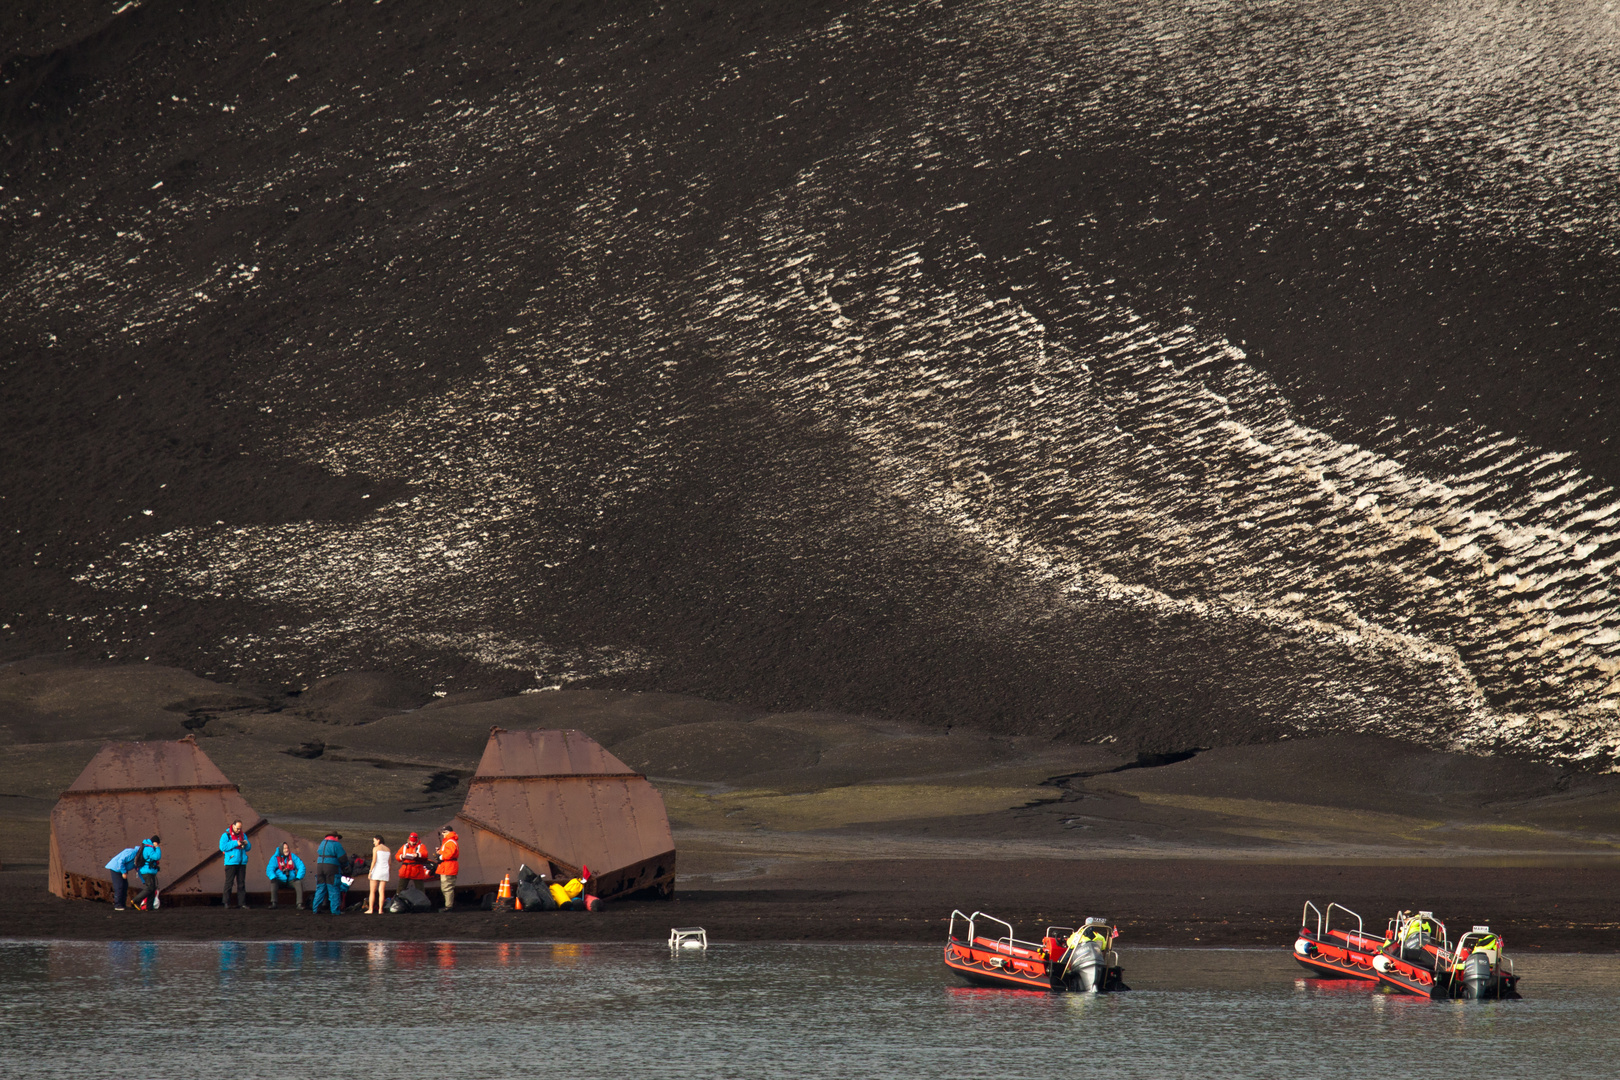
[535, 896]
[410, 901]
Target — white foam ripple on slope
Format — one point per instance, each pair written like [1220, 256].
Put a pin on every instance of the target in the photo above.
[1119, 458]
[1112, 461]
[1501, 115]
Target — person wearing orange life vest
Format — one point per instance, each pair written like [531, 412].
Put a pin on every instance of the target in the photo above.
[413, 863]
[449, 865]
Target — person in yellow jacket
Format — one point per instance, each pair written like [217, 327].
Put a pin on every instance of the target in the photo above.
[1097, 933]
[565, 893]
[449, 865]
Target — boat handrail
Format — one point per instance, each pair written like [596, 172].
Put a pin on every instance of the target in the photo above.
[1347, 911]
[1011, 940]
[977, 915]
[1060, 932]
[1445, 941]
[1304, 917]
[957, 913]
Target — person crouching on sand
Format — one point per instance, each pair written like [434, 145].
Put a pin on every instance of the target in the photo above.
[449, 865]
[286, 869]
[378, 877]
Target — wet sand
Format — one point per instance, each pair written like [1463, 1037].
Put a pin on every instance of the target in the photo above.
[1553, 906]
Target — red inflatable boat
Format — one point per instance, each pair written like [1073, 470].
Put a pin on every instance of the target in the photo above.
[1418, 958]
[983, 950]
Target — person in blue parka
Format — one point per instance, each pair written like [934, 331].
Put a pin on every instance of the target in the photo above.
[235, 845]
[331, 864]
[120, 865]
[286, 869]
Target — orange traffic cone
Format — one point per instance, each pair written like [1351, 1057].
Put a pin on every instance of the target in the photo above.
[503, 895]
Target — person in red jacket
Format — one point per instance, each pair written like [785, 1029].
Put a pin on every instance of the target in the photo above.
[413, 863]
[449, 865]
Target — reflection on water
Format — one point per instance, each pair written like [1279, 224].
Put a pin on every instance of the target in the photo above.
[281, 1008]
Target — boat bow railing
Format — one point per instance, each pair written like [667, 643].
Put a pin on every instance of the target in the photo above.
[1324, 920]
[1007, 939]
[1359, 931]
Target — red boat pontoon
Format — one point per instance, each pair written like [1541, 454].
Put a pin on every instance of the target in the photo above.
[1330, 953]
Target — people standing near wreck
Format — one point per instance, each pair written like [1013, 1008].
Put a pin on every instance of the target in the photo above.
[331, 862]
[147, 866]
[119, 866]
[235, 845]
[449, 865]
[378, 877]
[413, 863]
[286, 869]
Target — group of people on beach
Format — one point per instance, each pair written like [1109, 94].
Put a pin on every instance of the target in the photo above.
[335, 870]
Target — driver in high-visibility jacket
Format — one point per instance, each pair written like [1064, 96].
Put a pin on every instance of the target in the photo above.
[1096, 933]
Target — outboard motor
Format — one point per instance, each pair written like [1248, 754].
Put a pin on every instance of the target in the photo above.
[1477, 976]
[1085, 968]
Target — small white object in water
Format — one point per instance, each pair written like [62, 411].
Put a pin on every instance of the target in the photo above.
[688, 937]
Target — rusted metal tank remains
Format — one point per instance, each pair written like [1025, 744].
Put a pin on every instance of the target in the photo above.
[131, 790]
[557, 801]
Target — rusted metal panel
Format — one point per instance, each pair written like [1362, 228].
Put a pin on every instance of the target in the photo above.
[560, 797]
[136, 766]
[132, 790]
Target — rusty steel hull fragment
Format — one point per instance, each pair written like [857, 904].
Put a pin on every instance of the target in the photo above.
[557, 801]
[132, 790]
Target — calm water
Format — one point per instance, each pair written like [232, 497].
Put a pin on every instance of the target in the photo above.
[496, 1010]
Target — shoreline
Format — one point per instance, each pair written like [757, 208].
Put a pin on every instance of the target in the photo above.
[1265, 950]
[1157, 903]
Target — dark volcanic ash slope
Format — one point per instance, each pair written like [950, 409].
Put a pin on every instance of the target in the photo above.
[1181, 374]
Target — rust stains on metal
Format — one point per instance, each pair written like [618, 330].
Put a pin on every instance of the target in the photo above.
[559, 797]
[131, 790]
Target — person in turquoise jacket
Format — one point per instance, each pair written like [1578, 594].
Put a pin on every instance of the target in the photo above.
[331, 864]
[234, 845]
[147, 865]
[286, 869]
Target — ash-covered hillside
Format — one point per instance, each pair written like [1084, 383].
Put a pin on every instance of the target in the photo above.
[1177, 374]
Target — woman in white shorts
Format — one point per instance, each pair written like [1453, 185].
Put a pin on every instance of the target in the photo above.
[380, 854]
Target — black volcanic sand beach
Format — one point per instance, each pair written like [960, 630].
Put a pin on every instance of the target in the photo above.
[1155, 901]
